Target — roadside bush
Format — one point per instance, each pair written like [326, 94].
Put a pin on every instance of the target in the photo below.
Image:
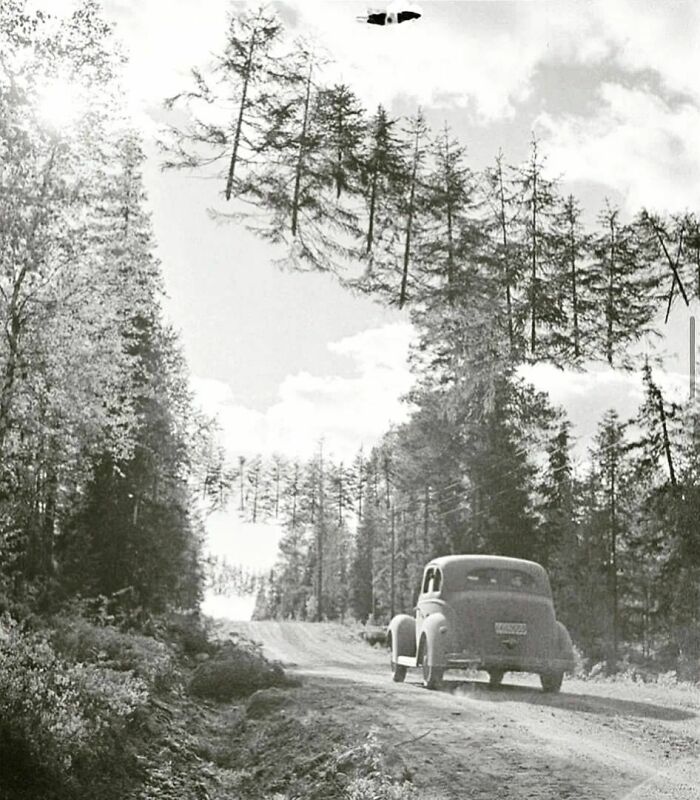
[237, 670]
[80, 640]
[188, 631]
[61, 724]
[373, 780]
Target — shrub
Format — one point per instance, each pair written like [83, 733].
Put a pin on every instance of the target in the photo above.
[82, 641]
[372, 779]
[188, 631]
[236, 671]
[60, 723]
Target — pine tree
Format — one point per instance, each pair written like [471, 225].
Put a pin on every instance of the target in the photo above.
[451, 235]
[662, 243]
[506, 252]
[557, 531]
[362, 569]
[654, 420]
[226, 104]
[500, 475]
[341, 119]
[570, 252]
[410, 209]
[609, 459]
[624, 288]
[539, 198]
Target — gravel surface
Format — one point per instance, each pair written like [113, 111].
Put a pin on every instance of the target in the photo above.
[597, 740]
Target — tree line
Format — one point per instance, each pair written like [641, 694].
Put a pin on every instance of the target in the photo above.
[395, 210]
[614, 529]
[101, 452]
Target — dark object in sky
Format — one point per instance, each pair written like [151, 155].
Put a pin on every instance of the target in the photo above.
[390, 17]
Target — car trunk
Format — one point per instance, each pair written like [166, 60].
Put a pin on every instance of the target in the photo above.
[492, 623]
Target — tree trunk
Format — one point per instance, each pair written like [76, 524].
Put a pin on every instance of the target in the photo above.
[300, 157]
[533, 277]
[574, 290]
[506, 265]
[239, 122]
[611, 296]
[409, 228]
[320, 535]
[393, 562]
[372, 209]
[613, 566]
[666, 440]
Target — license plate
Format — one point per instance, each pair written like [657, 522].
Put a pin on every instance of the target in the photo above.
[511, 628]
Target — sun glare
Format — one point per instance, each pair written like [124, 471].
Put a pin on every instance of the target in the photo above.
[60, 103]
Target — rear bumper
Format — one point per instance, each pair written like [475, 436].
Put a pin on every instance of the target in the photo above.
[508, 663]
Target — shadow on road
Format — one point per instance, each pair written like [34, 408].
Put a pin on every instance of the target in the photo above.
[589, 704]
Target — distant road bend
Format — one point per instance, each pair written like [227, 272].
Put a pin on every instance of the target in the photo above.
[594, 741]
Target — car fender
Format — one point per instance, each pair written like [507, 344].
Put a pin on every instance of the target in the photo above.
[402, 635]
[436, 632]
[565, 647]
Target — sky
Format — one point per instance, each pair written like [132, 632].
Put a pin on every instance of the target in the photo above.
[611, 90]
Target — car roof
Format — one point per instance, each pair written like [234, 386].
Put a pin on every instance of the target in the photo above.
[457, 565]
[495, 562]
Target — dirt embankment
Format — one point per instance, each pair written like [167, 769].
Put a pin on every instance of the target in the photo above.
[594, 741]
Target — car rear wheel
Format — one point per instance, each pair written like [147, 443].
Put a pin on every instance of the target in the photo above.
[496, 677]
[398, 672]
[432, 676]
[551, 681]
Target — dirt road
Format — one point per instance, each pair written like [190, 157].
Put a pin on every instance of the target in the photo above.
[597, 741]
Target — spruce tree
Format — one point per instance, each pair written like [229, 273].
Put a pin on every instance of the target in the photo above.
[624, 289]
[451, 232]
[505, 251]
[539, 198]
[225, 105]
[610, 464]
[571, 336]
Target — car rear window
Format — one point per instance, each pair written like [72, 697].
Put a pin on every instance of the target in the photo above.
[503, 579]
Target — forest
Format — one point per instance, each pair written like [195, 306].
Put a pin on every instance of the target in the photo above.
[496, 268]
[103, 454]
[111, 683]
[101, 448]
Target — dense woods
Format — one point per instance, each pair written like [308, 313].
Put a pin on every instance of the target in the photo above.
[617, 530]
[100, 450]
[107, 469]
[104, 463]
[496, 267]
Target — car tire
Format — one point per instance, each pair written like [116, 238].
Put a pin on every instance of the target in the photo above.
[551, 681]
[398, 672]
[496, 677]
[432, 675]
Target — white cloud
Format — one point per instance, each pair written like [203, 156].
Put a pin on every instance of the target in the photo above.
[483, 60]
[426, 61]
[662, 37]
[586, 396]
[344, 411]
[636, 144]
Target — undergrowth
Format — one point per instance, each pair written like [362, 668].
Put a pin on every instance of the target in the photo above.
[90, 708]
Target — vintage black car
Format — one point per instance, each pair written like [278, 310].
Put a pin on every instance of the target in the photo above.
[485, 612]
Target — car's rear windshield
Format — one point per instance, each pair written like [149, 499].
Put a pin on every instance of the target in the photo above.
[513, 580]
